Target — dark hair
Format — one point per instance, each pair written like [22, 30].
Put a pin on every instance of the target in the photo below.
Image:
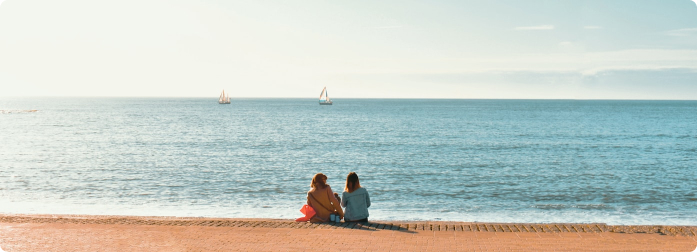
[352, 182]
[319, 180]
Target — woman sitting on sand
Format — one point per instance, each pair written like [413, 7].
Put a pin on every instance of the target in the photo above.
[355, 199]
[322, 200]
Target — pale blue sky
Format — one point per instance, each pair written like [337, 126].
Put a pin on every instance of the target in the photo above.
[368, 49]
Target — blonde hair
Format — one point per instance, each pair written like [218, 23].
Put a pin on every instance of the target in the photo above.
[319, 181]
[352, 182]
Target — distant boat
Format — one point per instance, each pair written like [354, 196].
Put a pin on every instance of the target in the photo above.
[324, 97]
[224, 98]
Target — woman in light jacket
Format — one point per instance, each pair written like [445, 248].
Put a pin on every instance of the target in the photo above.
[322, 200]
[355, 199]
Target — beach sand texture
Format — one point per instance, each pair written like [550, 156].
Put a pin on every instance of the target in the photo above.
[128, 233]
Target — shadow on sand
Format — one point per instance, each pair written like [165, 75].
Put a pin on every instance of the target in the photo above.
[367, 226]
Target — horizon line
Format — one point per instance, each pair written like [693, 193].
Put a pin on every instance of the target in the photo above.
[365, 98]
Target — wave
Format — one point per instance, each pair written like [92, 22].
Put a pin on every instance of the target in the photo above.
[18, 111]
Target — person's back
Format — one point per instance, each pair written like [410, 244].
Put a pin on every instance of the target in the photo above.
[321, 199]
[355, 199]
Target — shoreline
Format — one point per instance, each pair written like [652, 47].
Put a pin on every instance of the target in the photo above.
[673, 230]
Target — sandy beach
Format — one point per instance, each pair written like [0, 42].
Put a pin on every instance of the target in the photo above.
[129, 233]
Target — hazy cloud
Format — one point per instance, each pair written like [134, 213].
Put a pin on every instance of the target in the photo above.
[682, 32]
[665, 83]
[539, 27]
[387, 27]
[592, 27]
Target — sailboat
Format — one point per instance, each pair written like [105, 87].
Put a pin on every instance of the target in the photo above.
[325, 95]
[224, 98]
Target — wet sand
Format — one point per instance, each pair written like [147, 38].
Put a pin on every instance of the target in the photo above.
[128, 233]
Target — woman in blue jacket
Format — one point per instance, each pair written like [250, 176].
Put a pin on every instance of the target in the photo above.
[355, 199]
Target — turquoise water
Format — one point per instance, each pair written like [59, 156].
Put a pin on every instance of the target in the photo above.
[616, 162]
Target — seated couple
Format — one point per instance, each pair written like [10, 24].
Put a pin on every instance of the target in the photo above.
[325, 202]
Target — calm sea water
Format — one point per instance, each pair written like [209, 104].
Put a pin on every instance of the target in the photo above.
[617, 162]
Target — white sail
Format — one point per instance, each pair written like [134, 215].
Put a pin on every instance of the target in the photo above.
[324, 97]
[224, 98]
[322, 94]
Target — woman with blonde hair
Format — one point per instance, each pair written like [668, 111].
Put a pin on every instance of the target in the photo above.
[355, 199]
[322, 200]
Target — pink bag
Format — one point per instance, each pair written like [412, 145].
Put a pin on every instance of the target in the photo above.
[308, 212]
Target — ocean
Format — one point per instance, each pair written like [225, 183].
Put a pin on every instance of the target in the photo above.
[541, 161]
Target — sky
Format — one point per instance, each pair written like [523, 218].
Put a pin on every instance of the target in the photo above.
[499, 49]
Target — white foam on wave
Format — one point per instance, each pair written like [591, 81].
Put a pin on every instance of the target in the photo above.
[540, 216]
[376, 213]
[15, 207]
